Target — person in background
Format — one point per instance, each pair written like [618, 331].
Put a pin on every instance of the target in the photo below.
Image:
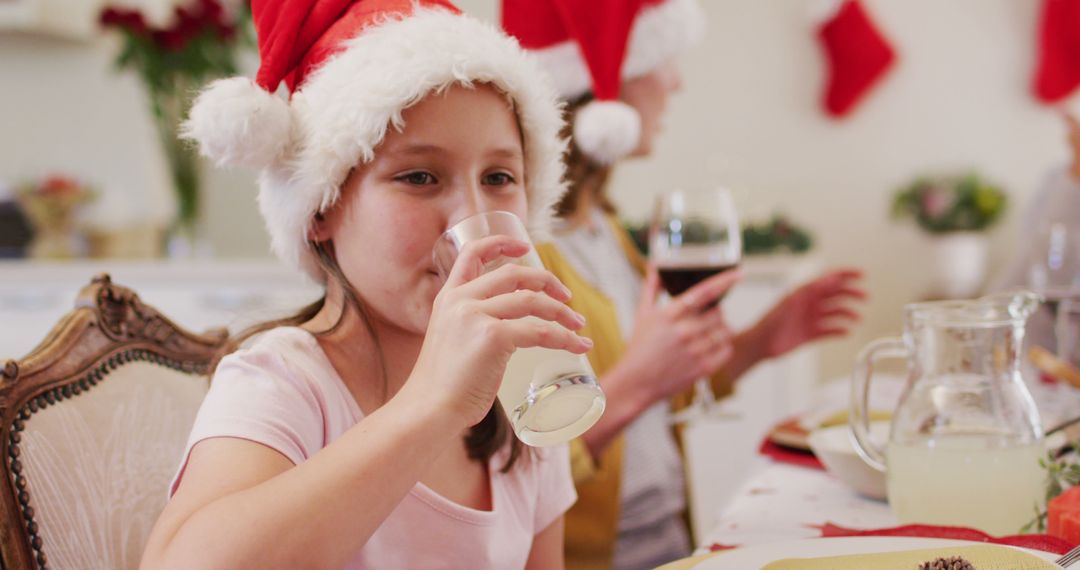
[360, 432]
[613, 62]
[1047, 258]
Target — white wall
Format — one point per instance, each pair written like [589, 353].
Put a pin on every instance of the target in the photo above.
[65, 109]
[748, 118]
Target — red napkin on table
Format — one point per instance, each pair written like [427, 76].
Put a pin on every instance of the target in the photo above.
[1043, 542]
[789, 455]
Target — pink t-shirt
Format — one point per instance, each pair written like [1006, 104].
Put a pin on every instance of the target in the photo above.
[282, 392]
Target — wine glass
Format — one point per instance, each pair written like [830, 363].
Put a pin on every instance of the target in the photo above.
[1053, 264]
[694, 235]
[1053, 270]
[1051, 267]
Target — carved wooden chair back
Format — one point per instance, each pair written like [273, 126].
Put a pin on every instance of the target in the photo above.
[92, 425]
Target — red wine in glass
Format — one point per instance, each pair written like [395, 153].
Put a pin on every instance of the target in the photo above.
[677, 280]
[694, 236]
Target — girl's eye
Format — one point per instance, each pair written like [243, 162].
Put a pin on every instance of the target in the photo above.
[498, 179]
[417, 178]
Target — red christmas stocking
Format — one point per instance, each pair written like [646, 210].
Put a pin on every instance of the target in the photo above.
[858, 57]
[1058, 69]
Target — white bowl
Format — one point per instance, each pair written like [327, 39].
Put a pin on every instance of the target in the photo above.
[835, 447]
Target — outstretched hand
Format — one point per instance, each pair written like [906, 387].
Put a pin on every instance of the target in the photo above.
[819, 309]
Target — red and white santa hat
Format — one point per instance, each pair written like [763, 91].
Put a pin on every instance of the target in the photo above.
[592, 46]
[351, 67]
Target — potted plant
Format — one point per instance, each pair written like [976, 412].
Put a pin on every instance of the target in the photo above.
[956, 211]
[776, 235]
[200, 44]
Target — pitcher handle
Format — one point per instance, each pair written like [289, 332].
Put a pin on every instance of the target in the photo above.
[869, 450]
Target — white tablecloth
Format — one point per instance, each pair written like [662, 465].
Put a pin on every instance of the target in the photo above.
[782, 501]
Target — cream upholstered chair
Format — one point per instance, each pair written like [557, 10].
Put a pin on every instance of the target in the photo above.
[92, 426]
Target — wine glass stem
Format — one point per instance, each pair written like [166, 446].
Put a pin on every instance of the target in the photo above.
[703, 395]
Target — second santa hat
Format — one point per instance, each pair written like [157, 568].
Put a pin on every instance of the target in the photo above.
[593, 46]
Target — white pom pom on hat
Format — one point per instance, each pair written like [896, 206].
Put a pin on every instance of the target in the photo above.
[607, 130]
[591, 47]
[238, 123]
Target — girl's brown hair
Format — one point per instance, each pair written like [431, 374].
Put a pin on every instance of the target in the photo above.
[483, 440]
[585, 177]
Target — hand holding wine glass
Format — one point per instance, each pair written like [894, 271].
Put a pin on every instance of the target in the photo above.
[675, 344]
[694, 236]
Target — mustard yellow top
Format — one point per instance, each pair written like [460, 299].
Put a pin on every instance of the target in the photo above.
[592, 523]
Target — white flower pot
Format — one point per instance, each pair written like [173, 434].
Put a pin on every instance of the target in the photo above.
[959, 263]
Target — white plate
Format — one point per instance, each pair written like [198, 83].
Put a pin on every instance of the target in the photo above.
[761, 554]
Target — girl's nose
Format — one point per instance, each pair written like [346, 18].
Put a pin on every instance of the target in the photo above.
[471, 200]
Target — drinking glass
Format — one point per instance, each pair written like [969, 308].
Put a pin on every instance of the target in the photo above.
[550, 396]
[694, 235]
[1051, 267]
[1067, 330]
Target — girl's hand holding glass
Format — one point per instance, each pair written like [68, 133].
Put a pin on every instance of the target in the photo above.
[478, 321]
[549, 395]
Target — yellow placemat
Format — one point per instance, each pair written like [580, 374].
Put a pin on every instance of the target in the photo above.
[982, 557]
[688, 563]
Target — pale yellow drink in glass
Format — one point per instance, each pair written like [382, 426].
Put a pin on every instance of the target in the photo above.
[550, 396]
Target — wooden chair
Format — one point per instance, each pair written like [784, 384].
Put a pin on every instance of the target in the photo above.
[92, 426]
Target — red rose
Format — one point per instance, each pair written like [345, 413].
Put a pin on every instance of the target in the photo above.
[130, 20]
[187, 25]
[169, 40]
[109, 17]
[226, 32]
[212, 12]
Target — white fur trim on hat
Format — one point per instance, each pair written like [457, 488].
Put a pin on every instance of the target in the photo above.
[607, 130]
[659, 34]
[343, 110]
[238, 123]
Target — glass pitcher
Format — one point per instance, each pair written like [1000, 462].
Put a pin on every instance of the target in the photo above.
[965, 441]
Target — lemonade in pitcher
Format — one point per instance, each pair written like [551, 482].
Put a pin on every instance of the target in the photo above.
[966, 479]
